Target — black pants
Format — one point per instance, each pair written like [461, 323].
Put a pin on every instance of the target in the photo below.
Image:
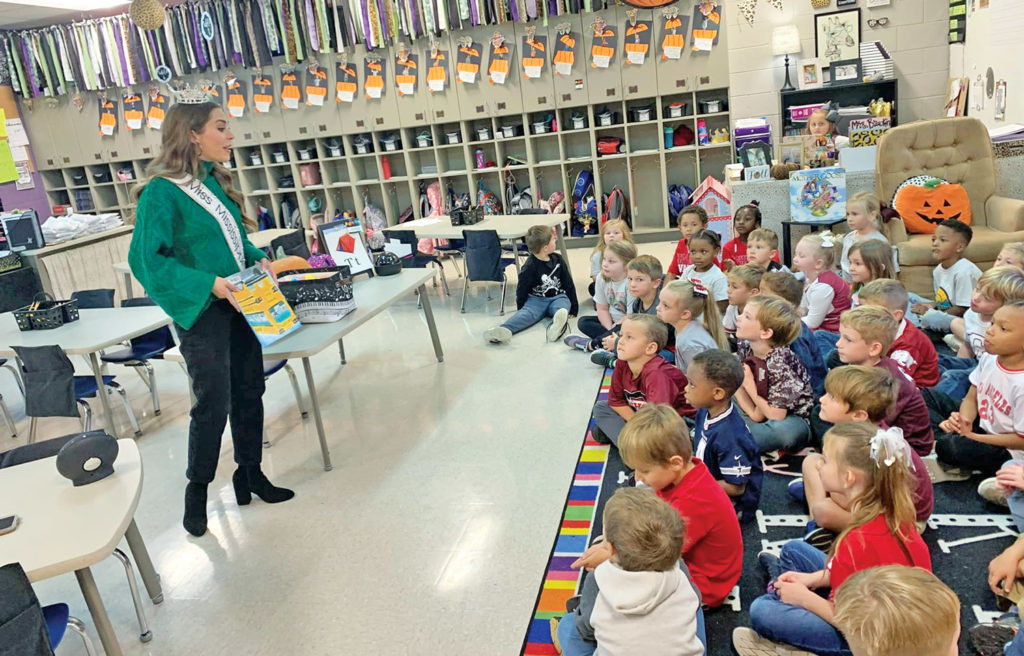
[225, 362]
[592, 327]
[958, 450]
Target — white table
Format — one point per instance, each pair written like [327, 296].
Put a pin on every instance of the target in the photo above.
[508, 226]
[263, 238]
[94, 331]
[372, 296]
[126, 272]
[69, 529]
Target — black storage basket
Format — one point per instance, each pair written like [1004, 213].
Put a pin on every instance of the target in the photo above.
[49, 313]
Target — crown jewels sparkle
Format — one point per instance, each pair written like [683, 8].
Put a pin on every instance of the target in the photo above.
[186, 94]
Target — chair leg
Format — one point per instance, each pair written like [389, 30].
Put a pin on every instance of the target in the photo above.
[86, 419]
[127, 407]
[17, 377]
[504, 285]
[444, 280]
[295, 388]
[7, 418]
[419, 301]
[465, 286]
[32, 429]
[145, 635]
[151, 374]
[78, 627]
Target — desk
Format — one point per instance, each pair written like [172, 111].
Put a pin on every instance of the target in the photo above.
[263, 238]
[372, 297]
[94, 331]
[69, 529]
[787, 225]
[508, 226]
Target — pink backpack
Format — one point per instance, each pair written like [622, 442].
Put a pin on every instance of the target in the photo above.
[435, 200]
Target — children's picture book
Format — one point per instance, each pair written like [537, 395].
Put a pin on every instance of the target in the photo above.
[263, 305]
[817, 195]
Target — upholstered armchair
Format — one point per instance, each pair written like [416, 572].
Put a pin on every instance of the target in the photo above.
[958, 150]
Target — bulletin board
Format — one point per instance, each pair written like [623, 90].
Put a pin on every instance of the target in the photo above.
[994, 28]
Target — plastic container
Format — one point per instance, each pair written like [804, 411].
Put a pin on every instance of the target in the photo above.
[478, 156]
[668, 136]
[385, 167]
[703, 138]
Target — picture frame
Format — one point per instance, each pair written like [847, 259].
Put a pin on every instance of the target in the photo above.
[791, 150]
[845, 3]
[808, 73]
[837, 36]
[754, 154]
[847, 71]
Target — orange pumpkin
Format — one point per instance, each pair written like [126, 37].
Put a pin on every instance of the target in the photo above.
[924, 202]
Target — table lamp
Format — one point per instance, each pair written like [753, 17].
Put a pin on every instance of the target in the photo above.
[786, 41]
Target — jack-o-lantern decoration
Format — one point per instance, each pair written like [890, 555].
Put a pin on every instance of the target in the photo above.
[924, 202]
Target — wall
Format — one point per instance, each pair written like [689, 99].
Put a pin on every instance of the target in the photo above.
[916, 37]
[984, 48]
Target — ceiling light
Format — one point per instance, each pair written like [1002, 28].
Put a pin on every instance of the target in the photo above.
[71, 5]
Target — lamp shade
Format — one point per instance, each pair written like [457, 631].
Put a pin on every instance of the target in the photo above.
[785, 40]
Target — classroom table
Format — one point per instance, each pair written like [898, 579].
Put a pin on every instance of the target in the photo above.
[508, 226]
[262, 238]
[372, 297]
[126, 272]
[94, 331]
[65, 529]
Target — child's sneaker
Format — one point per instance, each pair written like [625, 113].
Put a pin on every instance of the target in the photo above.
[580, 342]
[553, 624]
[821, 538]
[559, 324]
[796, 490]
[747, 642]
[603, 358]
[953, 342]
[498, 335]
[992, 493]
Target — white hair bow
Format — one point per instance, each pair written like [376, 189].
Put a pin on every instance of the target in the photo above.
[887, 445]
[827, 240]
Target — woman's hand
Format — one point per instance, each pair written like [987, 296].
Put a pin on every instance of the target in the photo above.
[222, 289]
[268, 269]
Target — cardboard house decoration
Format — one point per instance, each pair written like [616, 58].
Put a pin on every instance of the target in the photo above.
[715, 198]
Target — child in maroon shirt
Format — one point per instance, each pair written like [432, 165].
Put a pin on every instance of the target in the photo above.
[911, 349]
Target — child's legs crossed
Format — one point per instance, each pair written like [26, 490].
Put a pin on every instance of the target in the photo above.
[789, 433]
[1016, 503]
[936, 320]
[782, 622]
[590, 326]
[966, 453]
[608, 421]
[532, 311]
[569, 638]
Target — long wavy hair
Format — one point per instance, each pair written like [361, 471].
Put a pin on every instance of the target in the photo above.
[179, 157]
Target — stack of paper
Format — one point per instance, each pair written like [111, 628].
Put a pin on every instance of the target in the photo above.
[68, 226]
[1008, 132]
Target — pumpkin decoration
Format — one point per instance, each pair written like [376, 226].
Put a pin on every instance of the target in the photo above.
[924, 202]
[147, 14]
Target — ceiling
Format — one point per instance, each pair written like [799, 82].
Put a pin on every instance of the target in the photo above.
[16, 15]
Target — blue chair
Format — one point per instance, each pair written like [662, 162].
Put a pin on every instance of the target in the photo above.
[58, 620]
[142, 349]
[271, 368]
[518, 247]
[418, 260]
[484, 262]
[89, 299]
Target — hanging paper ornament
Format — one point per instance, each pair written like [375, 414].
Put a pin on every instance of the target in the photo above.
[316, 84]
[163, 74]
[775, 4]
[565, 50]
[108, 117]
[147, 14]
[373, 85]
[347, 80]
[206, 26]
[437, 72]
[405, 71]
[290, 93]
[157, 109]
[467, 63]
[132, 104]
[534, 48]
[501, 55]
[235, 89]
[747, 9]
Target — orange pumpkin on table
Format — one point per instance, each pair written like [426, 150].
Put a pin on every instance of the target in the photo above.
[923, 202]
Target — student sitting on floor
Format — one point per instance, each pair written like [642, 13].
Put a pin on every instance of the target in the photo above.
[953, 278]
[611, 230]
[692, 219]
[693, 314]
[784, 285]
[610, 297]
[865, 334]
[763, 250]
[1011, 255]
[641, 376]
[745, 222]
[870, 466]
[911, 350]
[826, 295]
[645, 603]
[545, 288]
[894, 610]
[864, 216]
[744, 282]
[776, 395]
[869, 261]
[855, 393]
[721, 439]
[704, 249]
[1004, 579]
[643, 283]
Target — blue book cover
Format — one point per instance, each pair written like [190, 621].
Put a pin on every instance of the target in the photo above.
[817, 195]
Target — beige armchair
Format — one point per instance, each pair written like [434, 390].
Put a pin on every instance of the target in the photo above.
[958, 150]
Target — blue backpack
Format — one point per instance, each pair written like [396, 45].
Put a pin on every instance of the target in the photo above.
[678, 198]
[584, 184]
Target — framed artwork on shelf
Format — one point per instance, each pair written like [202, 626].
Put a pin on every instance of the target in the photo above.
[846, 71]
[791, 150]
[755, 153]
[837, 36]
[809, 74]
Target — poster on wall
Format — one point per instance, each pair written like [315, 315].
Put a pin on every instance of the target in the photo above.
[316, 85]
[262, 93]
[108, 116]
[373, 82]
[157, 109]
[132, 103]
[347, 82]
[837, 36]
[467, 61]
[235, 90]
[406, 72]
[673, 34]
[817, 195]
[637, 42]
[707, 19]
[534, 55]
[565, 51]
[437, 72]
[500, 62]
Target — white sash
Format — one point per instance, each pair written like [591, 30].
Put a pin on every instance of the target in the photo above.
[205, 198]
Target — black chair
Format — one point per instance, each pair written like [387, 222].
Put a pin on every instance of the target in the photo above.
[484, 262]
[26, 628]
[418, 260]
[519, 246]
[3, 406]
[293, 243]
[142, 349]
[94, 298]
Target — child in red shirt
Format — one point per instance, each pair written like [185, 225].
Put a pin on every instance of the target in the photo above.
[746, 220]
[912, 350]
[871, 466]
[692, 219]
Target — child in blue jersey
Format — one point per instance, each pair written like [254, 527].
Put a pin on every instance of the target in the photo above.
[721, 438]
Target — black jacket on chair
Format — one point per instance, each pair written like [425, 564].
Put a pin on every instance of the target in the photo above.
[22, 627]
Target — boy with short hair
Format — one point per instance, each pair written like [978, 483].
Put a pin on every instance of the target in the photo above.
[784, 285]
[763, 250]
[895, 610]
[692, 219]
[865, 334]
[545, 288]
[953, 278]
[744, 282]
[723, 441]
[641, 376]
[775, 396]
[911, 350]
[643, 282]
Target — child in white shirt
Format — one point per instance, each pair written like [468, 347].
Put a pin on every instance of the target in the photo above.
[744, 282]
[953, 279]
[704, 248]
[611, 297]
[612, 230]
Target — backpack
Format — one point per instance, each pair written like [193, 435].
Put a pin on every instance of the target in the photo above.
[678, 198]
[584, 217]
[616, 206]
[682, 135]
[584, 184]
[516, 199]
[487, 200]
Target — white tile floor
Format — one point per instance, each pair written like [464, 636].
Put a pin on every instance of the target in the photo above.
[430, 535]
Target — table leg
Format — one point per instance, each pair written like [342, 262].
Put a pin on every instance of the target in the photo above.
[561, 247]
[128, 291]
[787, 258]
[145, 564]
[341, 351]
[515, 254]
[429, 314]
[108, 416]
[315, 400]
[99, 613]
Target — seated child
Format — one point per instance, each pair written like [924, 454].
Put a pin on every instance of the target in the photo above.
[776, 395]
[641, 376]
[953, 278]
[643, 283]
[865, 335]
[784, 285]
[746, 220]
[856, 393]
[704, 247]
[868, 465]
[610, 298]
[869, 260]
[722, 441]
[1011, 255]
[819, 125]
[1004, 579]
[693, 314]
[911, 350]
[692, 219]
[611, 230]
[545, 289]
[645, 602]
[826, 295]
[763, 250]
[744, 282]
[864, 216]
[895, 610]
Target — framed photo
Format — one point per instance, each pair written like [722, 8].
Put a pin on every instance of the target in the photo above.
[755, 153]
[837, 36]
[845, 3]
[791, 150]
[809, 73]
[846, 71]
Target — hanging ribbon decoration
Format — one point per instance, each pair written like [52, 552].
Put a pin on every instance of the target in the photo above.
[748, 7]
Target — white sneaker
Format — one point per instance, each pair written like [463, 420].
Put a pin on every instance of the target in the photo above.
[498, 335]
[953, 342]
[992, 493]
[747, 642]
[559, 324]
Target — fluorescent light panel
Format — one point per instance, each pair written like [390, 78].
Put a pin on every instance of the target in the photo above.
[71, 5]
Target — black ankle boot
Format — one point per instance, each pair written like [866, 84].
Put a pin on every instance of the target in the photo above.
[195, 508]
[249, 480]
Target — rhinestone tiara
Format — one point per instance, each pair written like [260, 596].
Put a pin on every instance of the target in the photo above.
[186, 94]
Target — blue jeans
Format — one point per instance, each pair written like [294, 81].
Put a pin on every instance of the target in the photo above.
[933, 319]
[1015, 648]
[790, 433]
[535, 309]
[574, 645]
[793, 625]
[1016, 503]
[955, 379]
[826, 342]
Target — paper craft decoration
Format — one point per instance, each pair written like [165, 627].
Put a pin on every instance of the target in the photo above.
[791, 150]
[290, 92]
[673, 36]
[715, 198]
[373, 83]
[406, 76]
[565, 53]
[347, 83]
[500, 62]
[316, 86]
[923, 202]
[467, 62]
[956, 97]
[263, 305]
[637, 42]
[837, 36]
[212, 91]
[132, 111]
[235, 90]
[108, 116]
[262, 93]
[817, 195]
[602, 50]
[866, 131]
[157, 109]
[437, 72]
[707, 19]
[534, 56]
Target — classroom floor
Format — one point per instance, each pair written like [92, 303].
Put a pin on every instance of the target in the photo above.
[430, 535]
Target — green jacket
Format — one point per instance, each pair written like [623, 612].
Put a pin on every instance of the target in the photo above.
[178, 249]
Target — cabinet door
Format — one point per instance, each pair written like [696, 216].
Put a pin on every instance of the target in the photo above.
[312, 120]
[603, 56]
[568, 61]
[475, 99]
[638, 54]
[538, 92]
[92, 145]
[442, 105]
[46, 127]
[672, 49]
[259, 127]
[408, 84]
